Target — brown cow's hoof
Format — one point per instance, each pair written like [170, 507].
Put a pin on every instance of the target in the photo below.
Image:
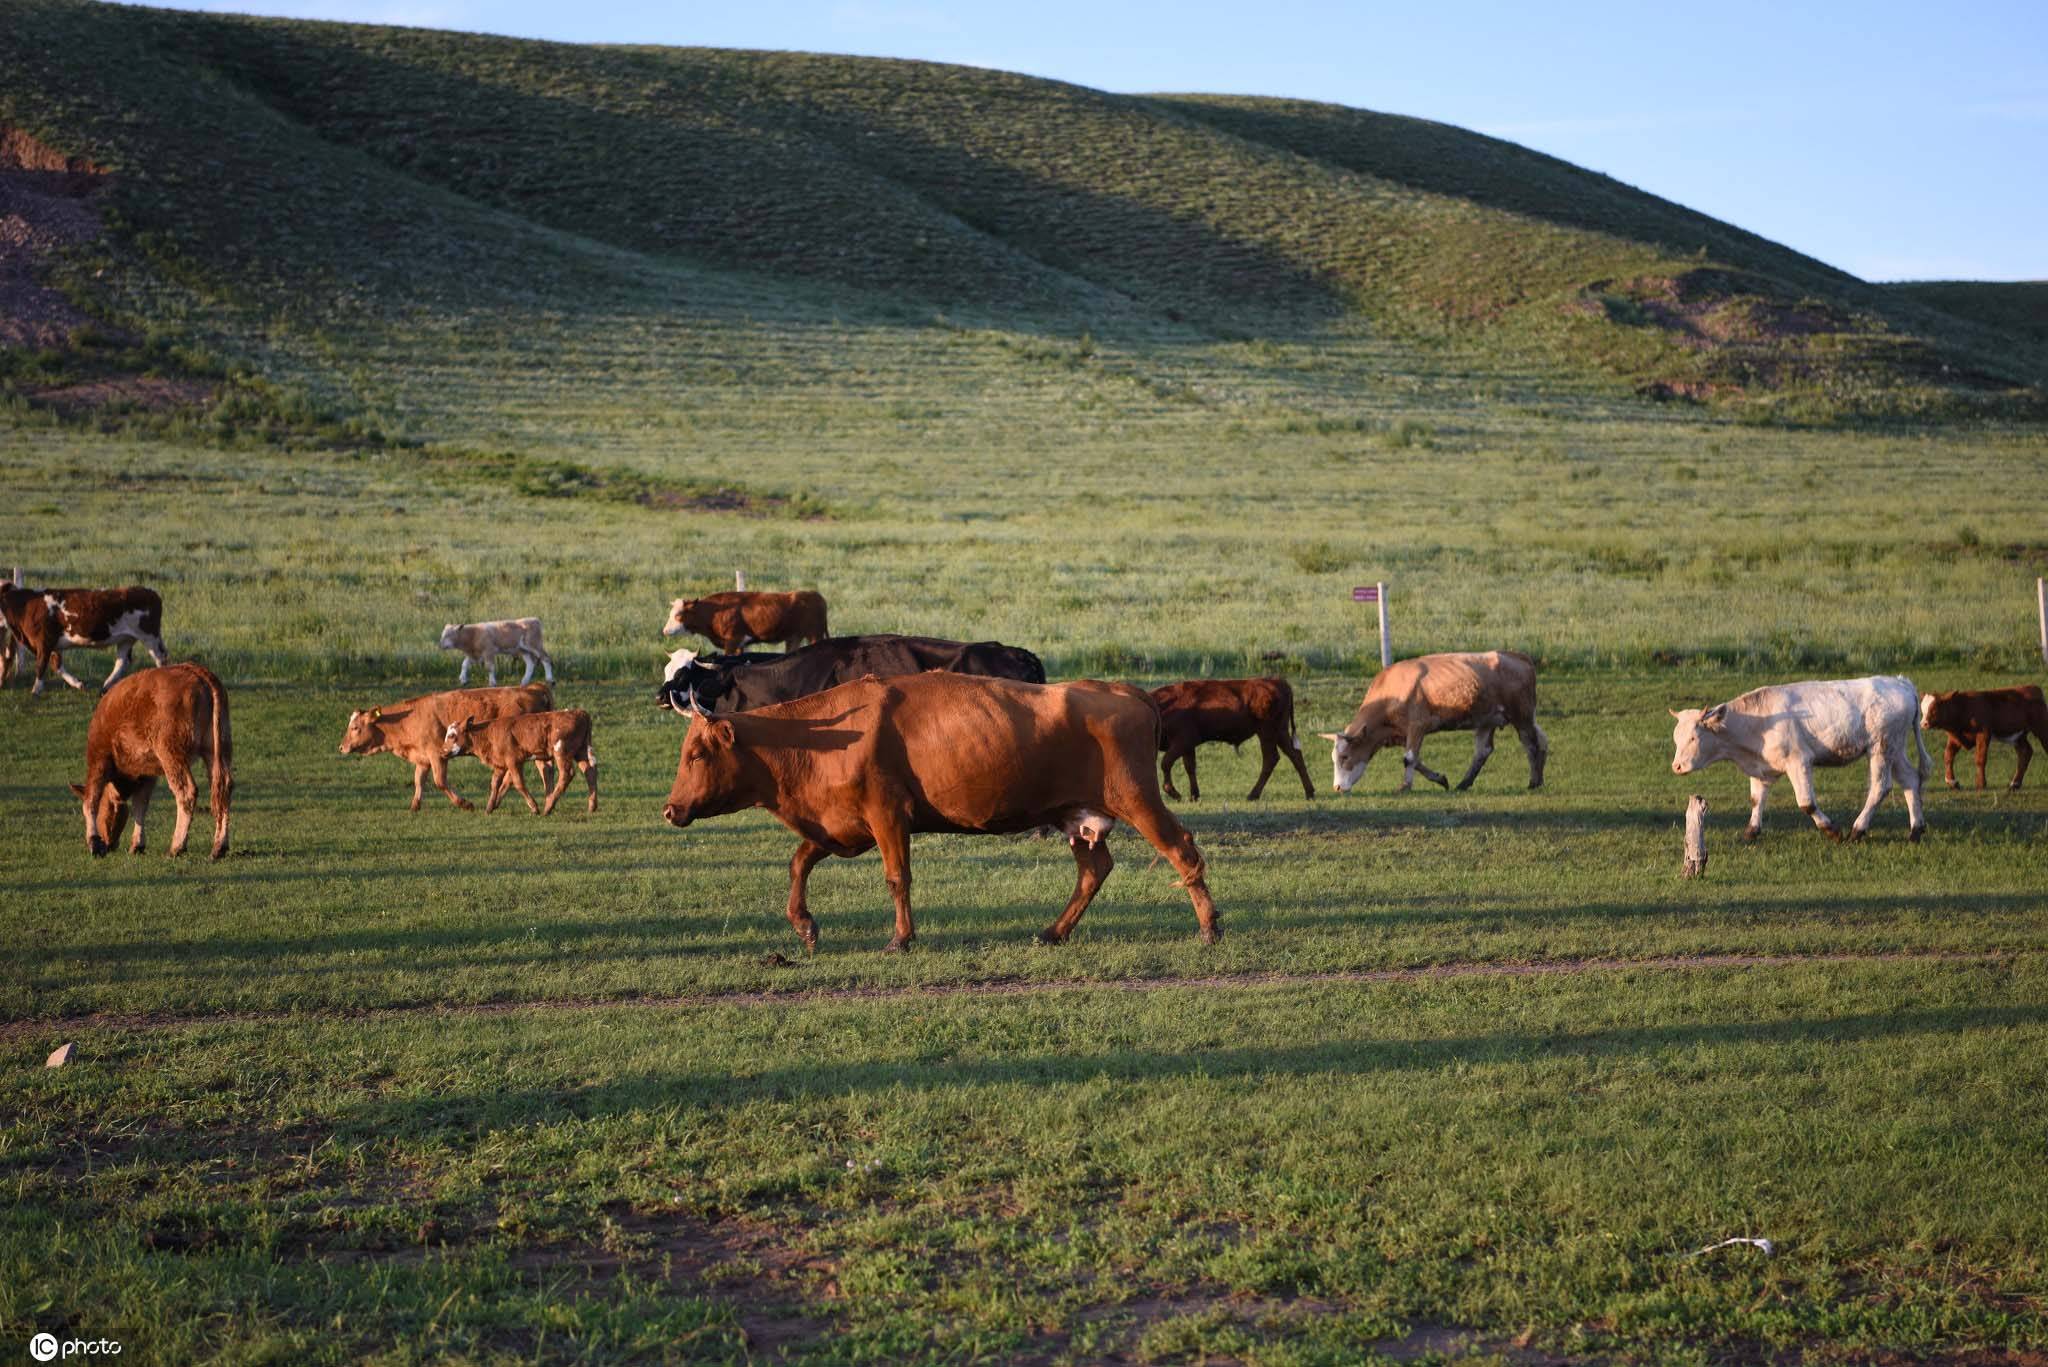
[1211, 934]
[220, 852]
[1854, 837]
[1832, 834]
[1953, 785]
[1049, 936]
[1915, 834]
[1443, 783]
[896, 946]
[1752, 834]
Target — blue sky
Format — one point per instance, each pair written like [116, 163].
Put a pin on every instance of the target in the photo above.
[1897, 141]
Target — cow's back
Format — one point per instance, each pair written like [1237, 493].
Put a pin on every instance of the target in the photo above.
[170, 708]
[424, 727]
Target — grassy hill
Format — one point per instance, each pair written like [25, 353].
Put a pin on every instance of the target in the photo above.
[303, 198]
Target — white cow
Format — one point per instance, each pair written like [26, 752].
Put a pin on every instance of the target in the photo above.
[1790, 729]
[486, 641]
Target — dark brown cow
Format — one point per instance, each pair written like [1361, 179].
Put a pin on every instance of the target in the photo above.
[506, 744]
[738, 618]
[1977, 718]
[416, 730]
[869, 762]
[149, 727]
[46, 622]
[1232, 711]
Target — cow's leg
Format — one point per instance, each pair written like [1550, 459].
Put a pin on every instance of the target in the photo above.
[491, 667]
[186, 794]
[800, 865]
[1909, 780]
[1983, 753]
[1166, 762]
[1801, 775]
[589, 767]
[1411, 762]
[1171, 839]
[462, 679]
[123, 656]
[516, 775]
[66, 675]
[1187, 762]
[155, 646]
[547, 663]
[419, 777]
[2024, 755]
[892, 837]
[526, 658]
[1269, 759]
[138, 808]
[1948, 760]
[1482, 746]
[563, 768]
[498, 785]
[1292, 749]
[437, 765]
[1093, 864]
[1537, 747]
[1758, 787]
[1880, 784]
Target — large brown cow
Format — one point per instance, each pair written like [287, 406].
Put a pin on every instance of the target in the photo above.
[738, 618]
[1232, 711]
[149, 727]
[1472, 691]
[867, 763]
[416, 730]
[1976, 718]
[46, 622]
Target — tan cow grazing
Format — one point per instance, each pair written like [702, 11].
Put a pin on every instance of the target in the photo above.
[867, 763]
[153, 726]
[416, 730]
[1232, 711]
[738, 618]
[1468, 691]
[562, 738]
[46, 622]
[486, 641]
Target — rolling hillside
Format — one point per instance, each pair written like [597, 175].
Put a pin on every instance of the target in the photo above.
[304, 206]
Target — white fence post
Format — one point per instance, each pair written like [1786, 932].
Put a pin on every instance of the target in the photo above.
[2041, 609]
[739, 580]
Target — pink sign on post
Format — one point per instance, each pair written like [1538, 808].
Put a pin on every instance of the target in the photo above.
[1377, 593]
[1366, 593]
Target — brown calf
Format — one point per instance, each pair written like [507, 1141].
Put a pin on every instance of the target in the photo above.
[416, 730]
[1232, 711]
[738, 618]
[46, 622]
[507, 743]
[865, 764]
[1977, 718]
[153, 726]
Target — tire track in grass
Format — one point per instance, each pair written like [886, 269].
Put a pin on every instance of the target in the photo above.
[140, 1021]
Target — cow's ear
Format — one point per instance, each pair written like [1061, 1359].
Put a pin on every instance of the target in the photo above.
[1331, 736]
[722, 729]
[376, 712]
[1714, 716]
[78, 790]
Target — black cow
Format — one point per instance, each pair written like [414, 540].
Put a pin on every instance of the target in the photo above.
[740, 683]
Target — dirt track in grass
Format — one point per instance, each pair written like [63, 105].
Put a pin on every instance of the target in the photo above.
[11, 1030]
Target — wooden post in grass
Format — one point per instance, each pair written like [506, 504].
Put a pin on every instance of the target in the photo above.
[1695, 836]
[1377, 593]
[739, 580]
[2040, 609]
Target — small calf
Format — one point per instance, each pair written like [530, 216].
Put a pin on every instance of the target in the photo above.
[1975, 719]
[486, 641]
[561, 738]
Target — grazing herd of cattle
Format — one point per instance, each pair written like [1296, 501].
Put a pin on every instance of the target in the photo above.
[858, 742]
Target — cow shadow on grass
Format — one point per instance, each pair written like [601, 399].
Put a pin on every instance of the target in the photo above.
[652, 1092]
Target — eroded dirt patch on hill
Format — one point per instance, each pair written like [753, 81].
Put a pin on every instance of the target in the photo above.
[46, 204]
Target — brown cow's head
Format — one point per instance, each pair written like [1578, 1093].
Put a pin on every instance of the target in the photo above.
[106, 812]
[365, 734]
[707, 773]
[1935, 710]
[455, 741]
[683, 616]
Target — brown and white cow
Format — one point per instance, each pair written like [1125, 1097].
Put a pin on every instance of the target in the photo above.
[1232, 711]
[416, 730]
[561, 738]
[867, 763]
[1468, 691]
[486, 641]
[1793, 729]
[738, 618]
[46, 622]
[153, 726]
[1976, 718]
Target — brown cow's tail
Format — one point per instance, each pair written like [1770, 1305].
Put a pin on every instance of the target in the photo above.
[219, 771]
[1293, 735]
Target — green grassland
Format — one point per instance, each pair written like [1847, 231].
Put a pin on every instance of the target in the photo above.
[1144, 384]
